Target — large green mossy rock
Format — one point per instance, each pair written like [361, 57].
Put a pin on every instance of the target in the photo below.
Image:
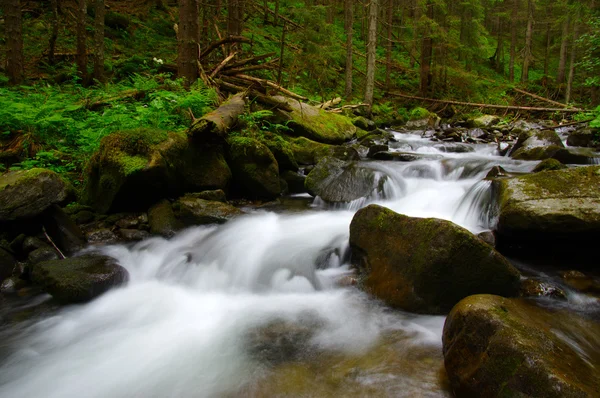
[162, 220]
[316, 124]
[27, 193]
[135, 168]
[335, 181]
[498, 347]
[424, 265]
[255, 170]
[536, 145]
[550, 210]
[191, 210]
[79, 279]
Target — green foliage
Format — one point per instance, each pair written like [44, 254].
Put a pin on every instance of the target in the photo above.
[419, 113]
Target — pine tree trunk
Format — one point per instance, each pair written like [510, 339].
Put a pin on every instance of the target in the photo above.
[573, 57]
[426, 53]
[99, 41]
[187, 49]
[349, 21]
[81, 41]
[499, 61]
[54, 32]
[14, 41]
[562, 62]
[388, 55]
[527, 56]
[513, 40]
[547, 54]
[371, 47]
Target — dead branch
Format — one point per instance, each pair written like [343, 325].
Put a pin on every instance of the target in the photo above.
[330, 103]
[222, 65]
[518, 90]
[263, 66]
[251, 60]
[271, 84]
[230, 39]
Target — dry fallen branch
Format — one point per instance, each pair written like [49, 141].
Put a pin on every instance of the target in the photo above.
[273, 85]
[230, 39]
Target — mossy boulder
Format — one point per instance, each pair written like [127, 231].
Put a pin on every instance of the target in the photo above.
[135, 168]
[550, 210]
[27, 193]
[162, 220]
[421, 118]
[498, 347]
[536, 145]
[190, 210]
[79, 279]
[283, 152]
[549, 164]
[317, 124]
[577, 156]
[364, 124]
[583, 137]
[424, 265]
[335, 180]
[483, 121]
[255, 170]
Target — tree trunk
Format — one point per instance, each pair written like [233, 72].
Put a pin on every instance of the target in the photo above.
[235, 17]
[573, 57]
[527, 56]
[371, 55]
[349, 21]
[499, 60]
[276, 18]
[388, 56]
[562, 63]
[14, 41]
[513, 40]
[187, 49]
[547, 54]
[81, 41]
[54, 32]
[99, 41]
[426, 52]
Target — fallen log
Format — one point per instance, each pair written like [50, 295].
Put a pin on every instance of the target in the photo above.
[518, 90]
[222, 65]
[266, 65]
[230, 39]
[476, 105]
[212, 128]
[246, 61]
[272, 85]
[253, 94]
[330, 103]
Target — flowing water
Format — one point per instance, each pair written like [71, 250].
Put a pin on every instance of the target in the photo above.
[260, 306]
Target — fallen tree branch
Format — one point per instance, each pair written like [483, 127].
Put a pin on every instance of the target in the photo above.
[212, 128]
[518, 90]
[52, 243]
[272, 85]
[507, 107]
[222, 65]
[266, 65]
[246, 61]
[230, 39]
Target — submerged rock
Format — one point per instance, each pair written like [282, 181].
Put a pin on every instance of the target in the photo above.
[79, 279]
[335, 180]
[537, 288]
[495, 346]
[27, 193]
[424, 265]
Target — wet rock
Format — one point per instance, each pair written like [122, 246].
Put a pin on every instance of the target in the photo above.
[7, 263]
[577, 156]
[280, 341]
[404, 156]
[162, 220]
[63, 230]
[374, 149]
[495, 346]
[215, 196]
[582, 138]
[484, 121]
[131, 221]
[294, 181]
[84, 217]
[335, 180]
[549, 164]
[537, 288]
[424, 265]
[255, 170]
[536, 145]
[581, 282]
[26, 194]
[192, 211]
[79, 279]
[42, 254]
[495, 172]
[32, 243]
[488, 237]
[364, 124]
[454, 148]
[133, 235]
[101, 236]
[477, 133]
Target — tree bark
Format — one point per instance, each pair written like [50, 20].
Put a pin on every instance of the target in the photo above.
[513, 40]
[54, 32]
[562, 62]
[14, 41]
[388, 55]
[99, 41]
[235, 17]
[81, 41]
[349, 20]
[527, 55]
[371, 55]
[187, 49]
[573, 57]
[426, 52]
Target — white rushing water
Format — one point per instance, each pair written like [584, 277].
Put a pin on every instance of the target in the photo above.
[184, 325]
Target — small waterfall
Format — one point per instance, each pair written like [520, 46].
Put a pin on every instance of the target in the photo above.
[478, 207]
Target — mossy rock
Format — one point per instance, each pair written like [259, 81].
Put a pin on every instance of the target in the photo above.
[316, 124]
[577, 156]
[283, 152]
[192, 211]
[162, 220]
[339, 181]
[79, 279]
[498, 347]
[424, 265]
[255, 170]
[536, 145]
[483, 121]
[583, 137]
[117, 21]
[364, 124]
[26, 194]
[549, 164]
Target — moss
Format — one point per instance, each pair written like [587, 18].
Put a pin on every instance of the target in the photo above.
[419, 113]
[131, 164]
[549, 164]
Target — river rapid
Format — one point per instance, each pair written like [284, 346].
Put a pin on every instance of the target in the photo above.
[261, 306]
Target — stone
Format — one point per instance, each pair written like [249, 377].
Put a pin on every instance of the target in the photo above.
[581, 282]
[498, 347]
[133, 235]
[364, 124]
[101, 236]
[63, 230]
[549, 164]
[162, 220]
[536, 145]
[27, 193]
[84, 217]
[583, 137]
[374, 149]
[42, 254]
[484, 121]
[582, 156]
[192, 211]
[424, 265]
[294, 181]
[488, 237]
[537, 288]
[79, 279]
[7, 263]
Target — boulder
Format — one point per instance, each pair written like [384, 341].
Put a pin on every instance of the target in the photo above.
[498, 347]
[582, 138]
[549, 164]
[7, 263]
[27, 193]
[255, 170]
[79, 279]
[577, 156]
[317, 124]
[404, 156]
[335, 180]
[483, 121]
[101, 236]
[555, 211]
[538, 288]
[162, 220]
[283, 152]
[364, 124]
[376, 148]
[133, 235]
[294, 181]
[63, 230]
[217, 195]
[45, 253]
[193, 211]
[536, 145]
[135, 168]
[424, 265]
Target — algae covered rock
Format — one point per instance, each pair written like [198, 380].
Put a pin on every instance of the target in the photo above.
[484, 121]
[424, 265]
[583, 137]
[162, 220]
[79, 279]
[498, 347]
[191, 211]
[335, 180]
[549, 164]
[536, 145]
[317, 124]
[27, 193]
[255, 170]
